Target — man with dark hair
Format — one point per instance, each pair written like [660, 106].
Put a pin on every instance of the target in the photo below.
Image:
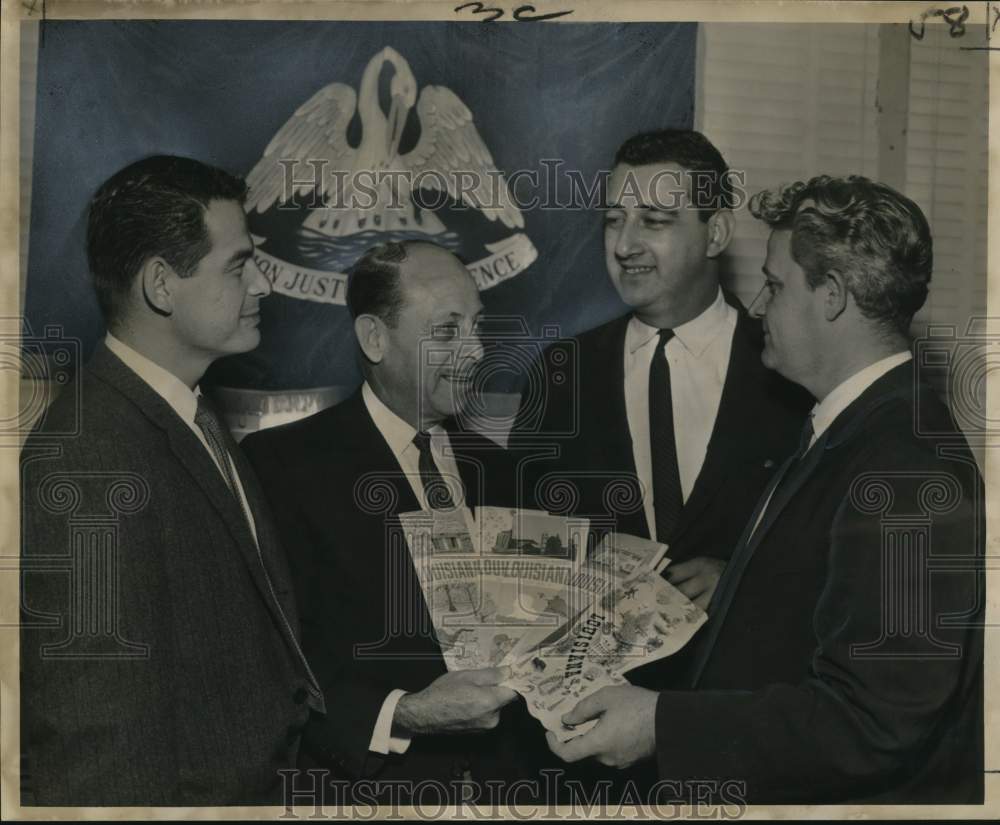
[163, 668]
[337, 482]
[843, 658]
[673, 398]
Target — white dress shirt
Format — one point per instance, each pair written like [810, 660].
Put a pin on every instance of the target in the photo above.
[399, 436]
[698, 356]
[825, 412]
[182, 401]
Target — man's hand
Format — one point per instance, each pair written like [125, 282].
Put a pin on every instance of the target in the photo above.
[625, 733]
[696, 578]
[461, 701]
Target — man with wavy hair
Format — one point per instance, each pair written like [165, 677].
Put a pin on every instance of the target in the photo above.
[843, 658]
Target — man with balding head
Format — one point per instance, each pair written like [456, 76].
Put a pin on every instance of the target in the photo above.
[338, 480]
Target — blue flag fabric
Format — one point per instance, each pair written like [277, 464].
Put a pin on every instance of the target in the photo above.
[540, 107]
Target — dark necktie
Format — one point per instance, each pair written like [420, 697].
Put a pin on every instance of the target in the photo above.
[806, 438]
[667, 497]
[785, 471]
[435, 489]
[212, 427]
[804, 441]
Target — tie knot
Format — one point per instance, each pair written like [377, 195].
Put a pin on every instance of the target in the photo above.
[205, 412]
[665, 336]
[807, 435]
[422, 440]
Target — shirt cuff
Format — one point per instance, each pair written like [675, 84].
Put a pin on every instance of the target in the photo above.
[383, 740]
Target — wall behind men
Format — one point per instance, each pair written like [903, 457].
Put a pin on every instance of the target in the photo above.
[552, 100]
[787, 102]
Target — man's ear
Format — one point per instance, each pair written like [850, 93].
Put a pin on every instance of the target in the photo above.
[721, 226]
[835, 291]
[370, 331]
[155, 279]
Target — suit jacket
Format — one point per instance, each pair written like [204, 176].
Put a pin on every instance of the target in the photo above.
[573, 409]
[574, 404]
[336, 489]
[843, 656]
[155, 666]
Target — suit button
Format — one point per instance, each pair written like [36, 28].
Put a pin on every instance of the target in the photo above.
[300, 696]
[459, 768]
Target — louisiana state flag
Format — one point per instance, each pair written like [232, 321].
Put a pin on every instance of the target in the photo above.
[488, 139]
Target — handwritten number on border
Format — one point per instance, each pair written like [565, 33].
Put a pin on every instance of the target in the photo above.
[957, 26]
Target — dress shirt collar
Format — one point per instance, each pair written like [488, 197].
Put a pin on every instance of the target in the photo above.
[396, 432]
[695, 335]
[838, 399]
[168, 386]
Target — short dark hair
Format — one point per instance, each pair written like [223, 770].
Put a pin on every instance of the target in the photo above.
[373, 283]
[153, 207]
[690, 150]
[877, 238]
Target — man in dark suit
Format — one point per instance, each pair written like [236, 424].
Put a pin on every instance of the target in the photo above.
[338, 480]
[159, 658]
[672, 427]
[843, 655]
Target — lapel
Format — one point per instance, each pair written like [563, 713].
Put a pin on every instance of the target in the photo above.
[850, 424]
[192, 455]
[373, 464]
[606, 444]
[267, 537]
[727, 445]
[376, 464]
[472, 463]
[612, 415]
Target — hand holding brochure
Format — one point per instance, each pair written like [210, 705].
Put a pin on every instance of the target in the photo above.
[511, 587]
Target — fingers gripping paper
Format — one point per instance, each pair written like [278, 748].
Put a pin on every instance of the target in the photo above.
[516, 587]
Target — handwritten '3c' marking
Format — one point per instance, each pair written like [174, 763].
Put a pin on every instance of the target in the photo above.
[479, 8]
[522, 14]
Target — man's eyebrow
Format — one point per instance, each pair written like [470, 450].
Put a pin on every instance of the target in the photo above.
[670, 211]
[663, 210]
[240, 255]
[648, 207]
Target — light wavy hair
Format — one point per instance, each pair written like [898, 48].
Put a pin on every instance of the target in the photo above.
[878, 239]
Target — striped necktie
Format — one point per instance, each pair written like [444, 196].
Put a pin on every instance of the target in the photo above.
[435, 489]
[212, 427]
